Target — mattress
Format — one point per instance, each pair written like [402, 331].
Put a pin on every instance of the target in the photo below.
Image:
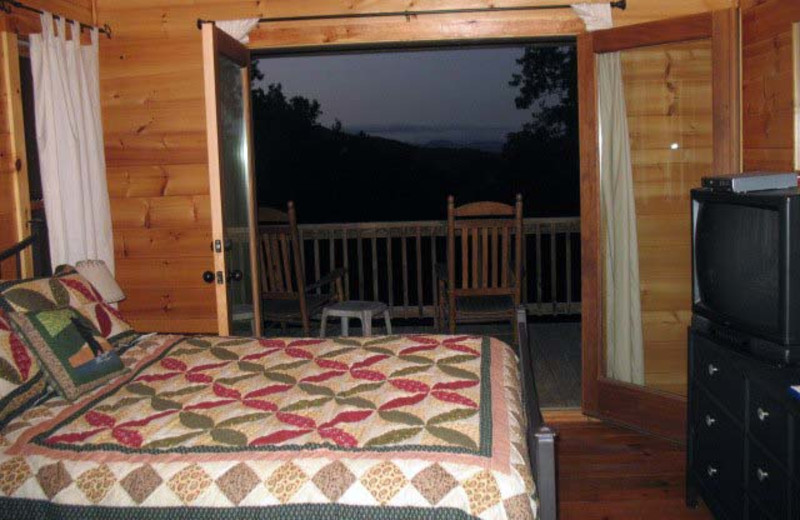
[394, 427]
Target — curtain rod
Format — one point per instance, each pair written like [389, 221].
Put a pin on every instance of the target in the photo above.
[6, 5]
[617, 4]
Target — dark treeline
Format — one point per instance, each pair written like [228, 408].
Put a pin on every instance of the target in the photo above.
[335, 176]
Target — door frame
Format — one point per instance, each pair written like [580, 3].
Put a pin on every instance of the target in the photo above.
[217, 43]
[643, 408]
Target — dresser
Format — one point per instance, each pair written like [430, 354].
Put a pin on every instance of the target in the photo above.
[743, 456]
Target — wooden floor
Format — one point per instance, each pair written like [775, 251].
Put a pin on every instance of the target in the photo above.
[610, 473]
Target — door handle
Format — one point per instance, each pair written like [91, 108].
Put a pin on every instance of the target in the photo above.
[236, 275]
[208, 277]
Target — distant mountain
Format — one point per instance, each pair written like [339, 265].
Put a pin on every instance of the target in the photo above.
[484, 146]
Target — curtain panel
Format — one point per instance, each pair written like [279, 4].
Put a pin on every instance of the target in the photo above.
[69, 135]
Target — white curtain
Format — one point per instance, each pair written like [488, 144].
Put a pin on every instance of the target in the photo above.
[69, 135]
[238, 29]
[623, 313]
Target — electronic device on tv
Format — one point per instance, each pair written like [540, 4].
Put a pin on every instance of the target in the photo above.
[746, 269]
[751, 181]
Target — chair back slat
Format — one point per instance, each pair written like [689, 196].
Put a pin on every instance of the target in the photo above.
[287, 269]
[280, 261]
[491, 247]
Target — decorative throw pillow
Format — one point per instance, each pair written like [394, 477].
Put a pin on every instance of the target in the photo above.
[74, 355]
[21, 380]
[67, 288]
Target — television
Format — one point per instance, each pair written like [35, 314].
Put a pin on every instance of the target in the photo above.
[746, 267]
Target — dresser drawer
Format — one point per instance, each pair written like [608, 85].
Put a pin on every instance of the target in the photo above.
[756, 512]
[767, 483]
[768, 422]
[716, 431]
[717, 465]
[714, 368]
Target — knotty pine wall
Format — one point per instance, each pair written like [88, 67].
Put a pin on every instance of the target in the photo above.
[154, 120]
[21, 22]
[668, 96]
[767, 83]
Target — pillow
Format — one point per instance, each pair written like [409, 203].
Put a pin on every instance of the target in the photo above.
[67, 288]
[21, 380]
[75, 357]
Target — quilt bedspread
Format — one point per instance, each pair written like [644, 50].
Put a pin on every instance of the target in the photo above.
[214, 427]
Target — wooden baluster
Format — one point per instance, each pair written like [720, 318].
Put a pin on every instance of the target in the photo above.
[524, 271]
[485, 257]
[419, 271]
[404, 253]
[539, 265]
[360, 265]
[464, 258]
[316, 263]
[434, 288]
[495, 251]
[506, 251]
[389, 269]
[331, 251]
[375, 296]
[569, 271]
[475, 280]
[346, 265]
[553, 273]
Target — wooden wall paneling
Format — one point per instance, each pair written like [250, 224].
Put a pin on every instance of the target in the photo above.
[153, 110]
[8, 184]
[726, 92]
[767, 78]
[17, 157]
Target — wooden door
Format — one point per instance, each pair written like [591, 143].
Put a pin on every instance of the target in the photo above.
[226, 65]
[681, 80]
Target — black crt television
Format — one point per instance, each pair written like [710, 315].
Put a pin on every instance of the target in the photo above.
[746, 269]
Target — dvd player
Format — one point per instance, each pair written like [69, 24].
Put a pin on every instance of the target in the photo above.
[751, 181]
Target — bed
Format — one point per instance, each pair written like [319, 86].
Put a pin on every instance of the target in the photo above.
[395, 427]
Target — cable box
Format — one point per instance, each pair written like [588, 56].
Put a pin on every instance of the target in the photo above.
[751, 181]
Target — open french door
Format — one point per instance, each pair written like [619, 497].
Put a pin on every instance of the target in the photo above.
[681, 91]
[231, 174]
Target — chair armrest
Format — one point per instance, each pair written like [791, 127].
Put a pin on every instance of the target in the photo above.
[326, 280]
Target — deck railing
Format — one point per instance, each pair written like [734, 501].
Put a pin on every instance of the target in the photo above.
[394, 262]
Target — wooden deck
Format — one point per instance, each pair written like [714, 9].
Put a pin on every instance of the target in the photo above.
[556, 352]
[611, 473]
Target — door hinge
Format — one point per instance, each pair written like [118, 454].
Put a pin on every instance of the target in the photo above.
[217, 246]
[220, 278]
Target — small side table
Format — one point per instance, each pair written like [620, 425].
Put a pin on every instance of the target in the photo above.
[365, 311]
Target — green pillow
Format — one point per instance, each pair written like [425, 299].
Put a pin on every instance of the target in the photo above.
[72, 352]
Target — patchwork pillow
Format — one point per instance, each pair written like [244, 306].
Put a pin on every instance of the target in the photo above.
[74, 355]
[21, 380]
[67, 288]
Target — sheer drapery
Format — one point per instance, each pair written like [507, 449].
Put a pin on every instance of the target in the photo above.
[69, 135]
[622, 304]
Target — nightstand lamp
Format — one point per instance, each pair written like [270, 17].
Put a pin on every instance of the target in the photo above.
[96, 271]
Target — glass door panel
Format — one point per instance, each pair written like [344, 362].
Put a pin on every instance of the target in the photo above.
[667, 92]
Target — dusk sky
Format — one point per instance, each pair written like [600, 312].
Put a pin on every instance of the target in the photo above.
[460, 95]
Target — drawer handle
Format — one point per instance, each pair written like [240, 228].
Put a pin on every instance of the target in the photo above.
[711, 470]
[762, 414]
[712, 369]
[761, 475]
[710, 421]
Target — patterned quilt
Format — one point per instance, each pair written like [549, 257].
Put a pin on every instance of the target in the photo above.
[210, 427]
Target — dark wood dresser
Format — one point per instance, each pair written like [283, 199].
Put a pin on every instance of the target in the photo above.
[743, 434]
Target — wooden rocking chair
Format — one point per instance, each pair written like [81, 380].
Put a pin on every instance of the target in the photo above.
[285, 296]
[482, 283]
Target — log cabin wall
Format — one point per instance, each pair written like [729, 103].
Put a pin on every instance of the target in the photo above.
[154, 121]
[12, 217]
[767, 84]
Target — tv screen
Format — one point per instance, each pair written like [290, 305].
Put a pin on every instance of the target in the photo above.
[737, 263]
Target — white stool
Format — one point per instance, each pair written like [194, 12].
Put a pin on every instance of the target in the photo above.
[365, 311]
